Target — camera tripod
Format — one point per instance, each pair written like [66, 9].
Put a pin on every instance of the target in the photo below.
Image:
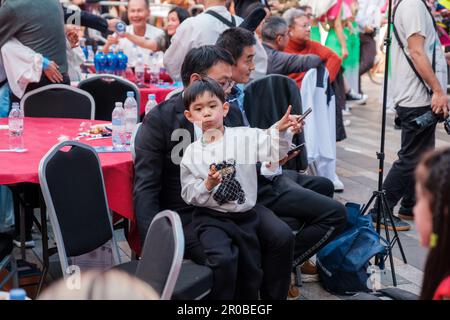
[384, 213]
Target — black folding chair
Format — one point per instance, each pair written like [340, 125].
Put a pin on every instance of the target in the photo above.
[265, 102]
[58, 101]
[107, 90]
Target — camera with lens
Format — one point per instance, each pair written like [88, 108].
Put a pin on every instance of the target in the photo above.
[430, 118]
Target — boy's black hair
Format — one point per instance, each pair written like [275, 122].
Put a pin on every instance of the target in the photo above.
[199, 60]
[199, 87]
[235, 40]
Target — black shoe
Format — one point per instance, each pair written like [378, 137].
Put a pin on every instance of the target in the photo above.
[400, 225]
[29, 242]
[406, 213]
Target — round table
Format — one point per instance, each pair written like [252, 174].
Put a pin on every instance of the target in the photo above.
[41, 134]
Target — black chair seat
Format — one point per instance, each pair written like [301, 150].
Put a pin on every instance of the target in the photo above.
[6, 245]
[194, 280]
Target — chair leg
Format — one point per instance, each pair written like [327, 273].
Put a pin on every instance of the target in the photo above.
[15, 272]
[298, 276]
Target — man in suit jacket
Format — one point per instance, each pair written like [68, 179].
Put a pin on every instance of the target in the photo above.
[289, 194]
[159, 144]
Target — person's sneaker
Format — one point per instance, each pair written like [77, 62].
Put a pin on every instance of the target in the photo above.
[347, 122]
[346, 112]
[400, 225]
[338, 186]
[406, 213]
[29, 242]
[355, 97]
[309, 272]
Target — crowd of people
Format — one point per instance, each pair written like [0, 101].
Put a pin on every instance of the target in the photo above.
[234, 211]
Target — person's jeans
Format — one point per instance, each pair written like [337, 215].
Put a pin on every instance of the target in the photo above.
[399, 182]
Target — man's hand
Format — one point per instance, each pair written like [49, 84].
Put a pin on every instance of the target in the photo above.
[439, 103]
[214, 179]
[112, 40]
[72, 35]
[298, 127]
[53, 74]
[112, 24]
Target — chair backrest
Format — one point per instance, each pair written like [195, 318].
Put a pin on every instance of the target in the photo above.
[107, 90]
[162, 254]
[173, 92]
[72, 184]
[58, 101]
[265, 102]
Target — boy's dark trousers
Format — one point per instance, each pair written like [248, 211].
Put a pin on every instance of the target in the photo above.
[250, 253]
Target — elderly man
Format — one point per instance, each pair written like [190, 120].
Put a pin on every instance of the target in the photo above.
[138, 14]
[275, 38]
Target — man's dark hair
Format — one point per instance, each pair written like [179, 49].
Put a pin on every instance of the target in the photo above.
[273, 27]
[199, 60]
[199, 87]
[235, 40]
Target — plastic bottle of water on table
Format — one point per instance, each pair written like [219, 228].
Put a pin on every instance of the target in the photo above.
[130, 107]
[122, 61]
[151, 103]
[17, 294]
[118, 126]
[139, 70]
[111, 61]
[91, 55]
[15, 124]
[100, 61]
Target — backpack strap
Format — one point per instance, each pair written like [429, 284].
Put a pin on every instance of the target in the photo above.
[402, 46]
[231, 24]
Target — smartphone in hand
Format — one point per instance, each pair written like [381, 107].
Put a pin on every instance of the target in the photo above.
[296, 148]
[304, 115]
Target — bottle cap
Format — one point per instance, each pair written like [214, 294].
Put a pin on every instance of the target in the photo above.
[119, 104]
[15, 105]
[17, 294]
[130, 94]
[121, 27]
[151, 96]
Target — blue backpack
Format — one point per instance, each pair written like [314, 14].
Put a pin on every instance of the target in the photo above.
[342, 263]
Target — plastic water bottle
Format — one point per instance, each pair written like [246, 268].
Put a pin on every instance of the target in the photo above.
[15, 124]
[122, 61]
[151, 103]
[91, 55]
[139, 70]
[17, 294]
[154, 68]
[111, 61]
[130, 107]
[118, 126]
[83, 48]
[100, 61]
[121, 28]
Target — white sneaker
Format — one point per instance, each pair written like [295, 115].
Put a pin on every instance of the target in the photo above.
[346, 113]
[338, 186]
[347, 122]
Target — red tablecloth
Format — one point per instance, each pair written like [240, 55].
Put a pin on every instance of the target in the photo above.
[160, 94]
[41, 134]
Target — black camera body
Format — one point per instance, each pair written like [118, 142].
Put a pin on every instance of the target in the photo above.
[430, 118]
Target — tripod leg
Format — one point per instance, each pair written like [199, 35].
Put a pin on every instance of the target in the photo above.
[388, 214]
[396, 237]
[367, 206]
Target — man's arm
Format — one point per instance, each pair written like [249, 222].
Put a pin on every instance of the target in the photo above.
[89, 20]
[148, 167]
[331, 59]
[9, 24]
[439, 100]
[295, 63]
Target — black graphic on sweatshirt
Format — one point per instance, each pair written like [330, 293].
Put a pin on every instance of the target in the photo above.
[230, 189]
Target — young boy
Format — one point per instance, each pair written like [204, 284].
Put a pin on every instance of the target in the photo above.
[218, 176]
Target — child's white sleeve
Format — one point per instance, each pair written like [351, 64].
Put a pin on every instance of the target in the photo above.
[273, 145]
[193, 189]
